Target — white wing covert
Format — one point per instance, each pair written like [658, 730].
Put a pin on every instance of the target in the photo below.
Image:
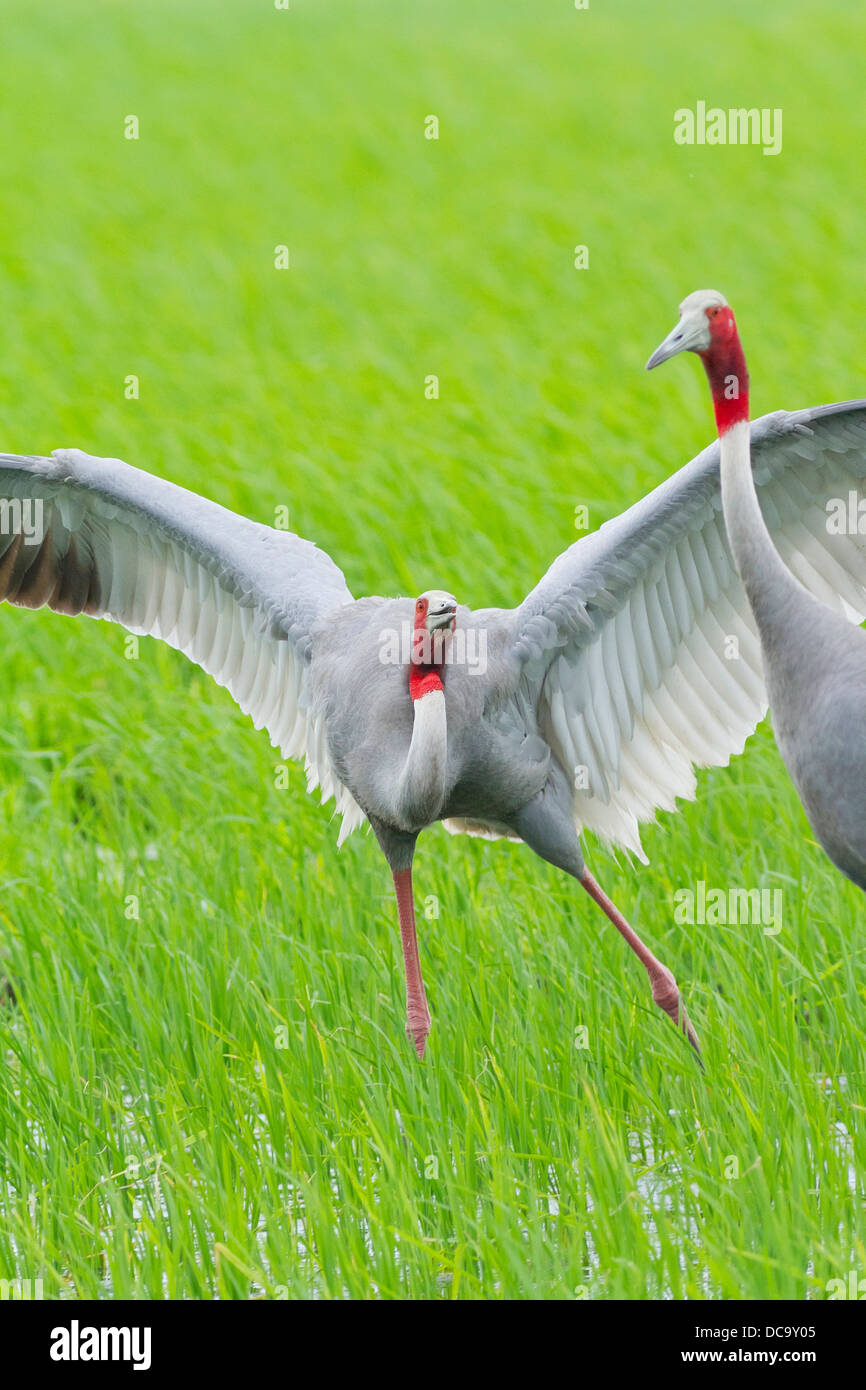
[638, 646]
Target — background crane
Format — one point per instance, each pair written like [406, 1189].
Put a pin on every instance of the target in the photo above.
[814, 660]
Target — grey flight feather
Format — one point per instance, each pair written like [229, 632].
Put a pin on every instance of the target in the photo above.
[241, 599]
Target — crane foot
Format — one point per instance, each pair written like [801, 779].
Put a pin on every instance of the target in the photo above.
[667, 995]
[418, 1028]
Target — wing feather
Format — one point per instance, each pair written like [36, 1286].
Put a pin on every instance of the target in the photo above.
[639, 643]
[240, 599]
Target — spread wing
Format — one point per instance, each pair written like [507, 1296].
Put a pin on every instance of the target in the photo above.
[96, 536]
[638, 645]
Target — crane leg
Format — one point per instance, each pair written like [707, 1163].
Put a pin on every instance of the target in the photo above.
[665, 989]
[546, 825]
[417, 1013]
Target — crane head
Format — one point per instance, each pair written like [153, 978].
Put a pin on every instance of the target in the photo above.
[436, 611]
[435, 620]
[707, 327]
[706, 321]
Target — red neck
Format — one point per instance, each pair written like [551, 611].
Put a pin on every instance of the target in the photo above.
[423, 679]
[424, 676]
[725, 365]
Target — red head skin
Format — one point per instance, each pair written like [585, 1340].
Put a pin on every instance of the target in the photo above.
[425, 674]
[725, 366]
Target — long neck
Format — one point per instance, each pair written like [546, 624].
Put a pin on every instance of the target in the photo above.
[423, 779]
[766, 578]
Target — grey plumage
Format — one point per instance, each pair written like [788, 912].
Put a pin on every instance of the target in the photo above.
[815, 668]
[818, 706]
[598, 694]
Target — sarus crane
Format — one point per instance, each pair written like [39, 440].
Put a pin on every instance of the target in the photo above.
[597, 696]
[814, 659]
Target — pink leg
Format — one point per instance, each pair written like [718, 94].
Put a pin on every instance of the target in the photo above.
[665, 991]
[417, 1013]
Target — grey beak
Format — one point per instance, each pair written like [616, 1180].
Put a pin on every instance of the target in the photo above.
[676, 341]
[442, 616]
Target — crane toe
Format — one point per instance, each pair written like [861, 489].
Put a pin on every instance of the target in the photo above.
[666, 994]
[418, 1023]
[418, 1030]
